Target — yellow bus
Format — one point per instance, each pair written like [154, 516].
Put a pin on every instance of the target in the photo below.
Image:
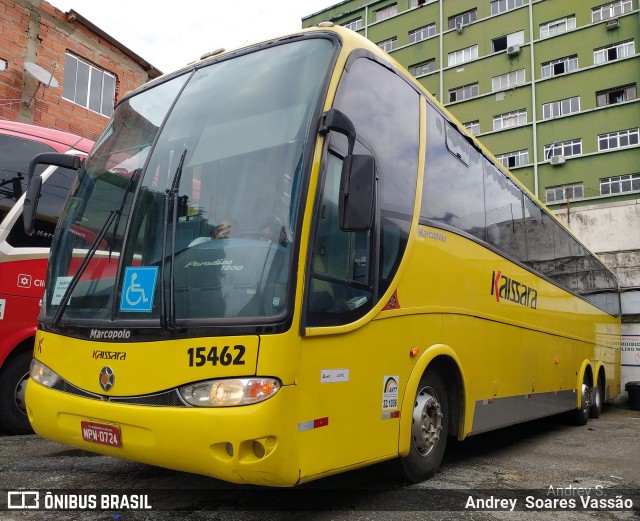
[301, 264]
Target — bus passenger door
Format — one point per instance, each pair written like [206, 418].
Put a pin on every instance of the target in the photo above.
[351, 363]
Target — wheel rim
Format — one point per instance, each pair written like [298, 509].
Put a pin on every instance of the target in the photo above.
[597, 397]
[586, 396]
[19, 394]
[427, 421]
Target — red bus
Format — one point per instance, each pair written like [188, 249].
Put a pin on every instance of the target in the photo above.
[23, 259]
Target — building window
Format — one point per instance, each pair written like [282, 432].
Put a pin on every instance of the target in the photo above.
[386, 12]
[563, 107]
[354, 25]
[610, 10]
[564, 193]
[569, 148]
[510, 119]
[561, 25]
[561, 66]
[502, 43]
[418, 3]
[88, 86]
[463, 19]
[508, 80]
[473, 127]
[422, 33]
[462, 93]
[462, 55]
[620, 139]
[514, 159]
[420, 69]
[614, 52]
[502, 6]
[617, 95]
[620, 184]
[389, 45]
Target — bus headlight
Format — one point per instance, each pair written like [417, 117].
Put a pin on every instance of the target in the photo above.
[227, 393]
[42, 374]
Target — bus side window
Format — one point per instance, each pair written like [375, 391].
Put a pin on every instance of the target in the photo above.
[340, 289]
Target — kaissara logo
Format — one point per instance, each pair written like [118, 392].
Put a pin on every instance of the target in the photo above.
[503, 287]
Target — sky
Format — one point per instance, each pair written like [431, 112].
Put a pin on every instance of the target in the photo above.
[170, 34]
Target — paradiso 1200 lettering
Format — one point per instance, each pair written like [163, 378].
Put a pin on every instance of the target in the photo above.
[509, 289]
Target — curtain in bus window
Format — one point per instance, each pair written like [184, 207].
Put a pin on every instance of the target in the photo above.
[453, 191]
[504, 212]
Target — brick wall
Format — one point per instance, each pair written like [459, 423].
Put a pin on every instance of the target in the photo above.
[35, 31]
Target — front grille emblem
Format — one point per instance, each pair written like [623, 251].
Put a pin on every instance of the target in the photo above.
[107, 378]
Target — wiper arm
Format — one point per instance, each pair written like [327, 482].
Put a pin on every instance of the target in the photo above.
[168, 318]
[132, 181]
[113, 215]
[83, 266]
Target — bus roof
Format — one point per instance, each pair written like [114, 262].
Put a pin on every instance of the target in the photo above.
[61, 141]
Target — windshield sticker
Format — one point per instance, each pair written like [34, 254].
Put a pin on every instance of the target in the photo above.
[62, 283]
[3, 305]
[138, 289]
[390, 392]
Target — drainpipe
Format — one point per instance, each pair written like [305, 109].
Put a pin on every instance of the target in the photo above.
[534, 126]
[441, 87]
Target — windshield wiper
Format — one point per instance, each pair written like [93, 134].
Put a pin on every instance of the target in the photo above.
[168, 319]
[113, 214]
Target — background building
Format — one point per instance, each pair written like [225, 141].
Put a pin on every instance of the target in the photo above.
[85, 70]
[551, 88]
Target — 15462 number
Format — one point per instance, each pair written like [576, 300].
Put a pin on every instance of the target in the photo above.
[199, 356]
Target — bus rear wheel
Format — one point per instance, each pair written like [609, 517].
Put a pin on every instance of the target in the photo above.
[429, 430]
[13, 379]
[581, 415]
[597, 397]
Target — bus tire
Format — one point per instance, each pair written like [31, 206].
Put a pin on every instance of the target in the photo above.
[597, 396]
[13, 379]
[581, 414]
[429, 431]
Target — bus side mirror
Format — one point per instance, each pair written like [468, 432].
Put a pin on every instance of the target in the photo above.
[35, 183]
[357, 192]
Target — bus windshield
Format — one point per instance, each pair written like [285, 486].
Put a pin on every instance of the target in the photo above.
[191, 195]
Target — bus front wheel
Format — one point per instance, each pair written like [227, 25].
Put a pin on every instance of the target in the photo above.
[429, 430]
[13, 378]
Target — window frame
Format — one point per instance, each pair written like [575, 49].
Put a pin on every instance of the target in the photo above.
[391, 43]
[507, 7]
[463, 89]
[618, 136]
[385, 12]
[560, 25]
[465, 18]
[520, 157]
[620, 181]
[78, 99]
[430, 64]
[354, 25]
[563, 148]
[629, 92]
[625, 5]
[459, 56]
[567, 63]
[572, 186]
[500, 120]
[418, 34]
[518, 77]
[552, 105]
[622, 50]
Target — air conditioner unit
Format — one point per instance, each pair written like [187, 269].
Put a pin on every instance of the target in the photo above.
[513, 49]
[459, 26]
[614, 23]
[557, 160]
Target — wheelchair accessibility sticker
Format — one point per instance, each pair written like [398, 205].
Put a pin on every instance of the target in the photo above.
[138, 288]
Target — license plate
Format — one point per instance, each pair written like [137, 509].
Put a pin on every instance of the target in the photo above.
[101, 433]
